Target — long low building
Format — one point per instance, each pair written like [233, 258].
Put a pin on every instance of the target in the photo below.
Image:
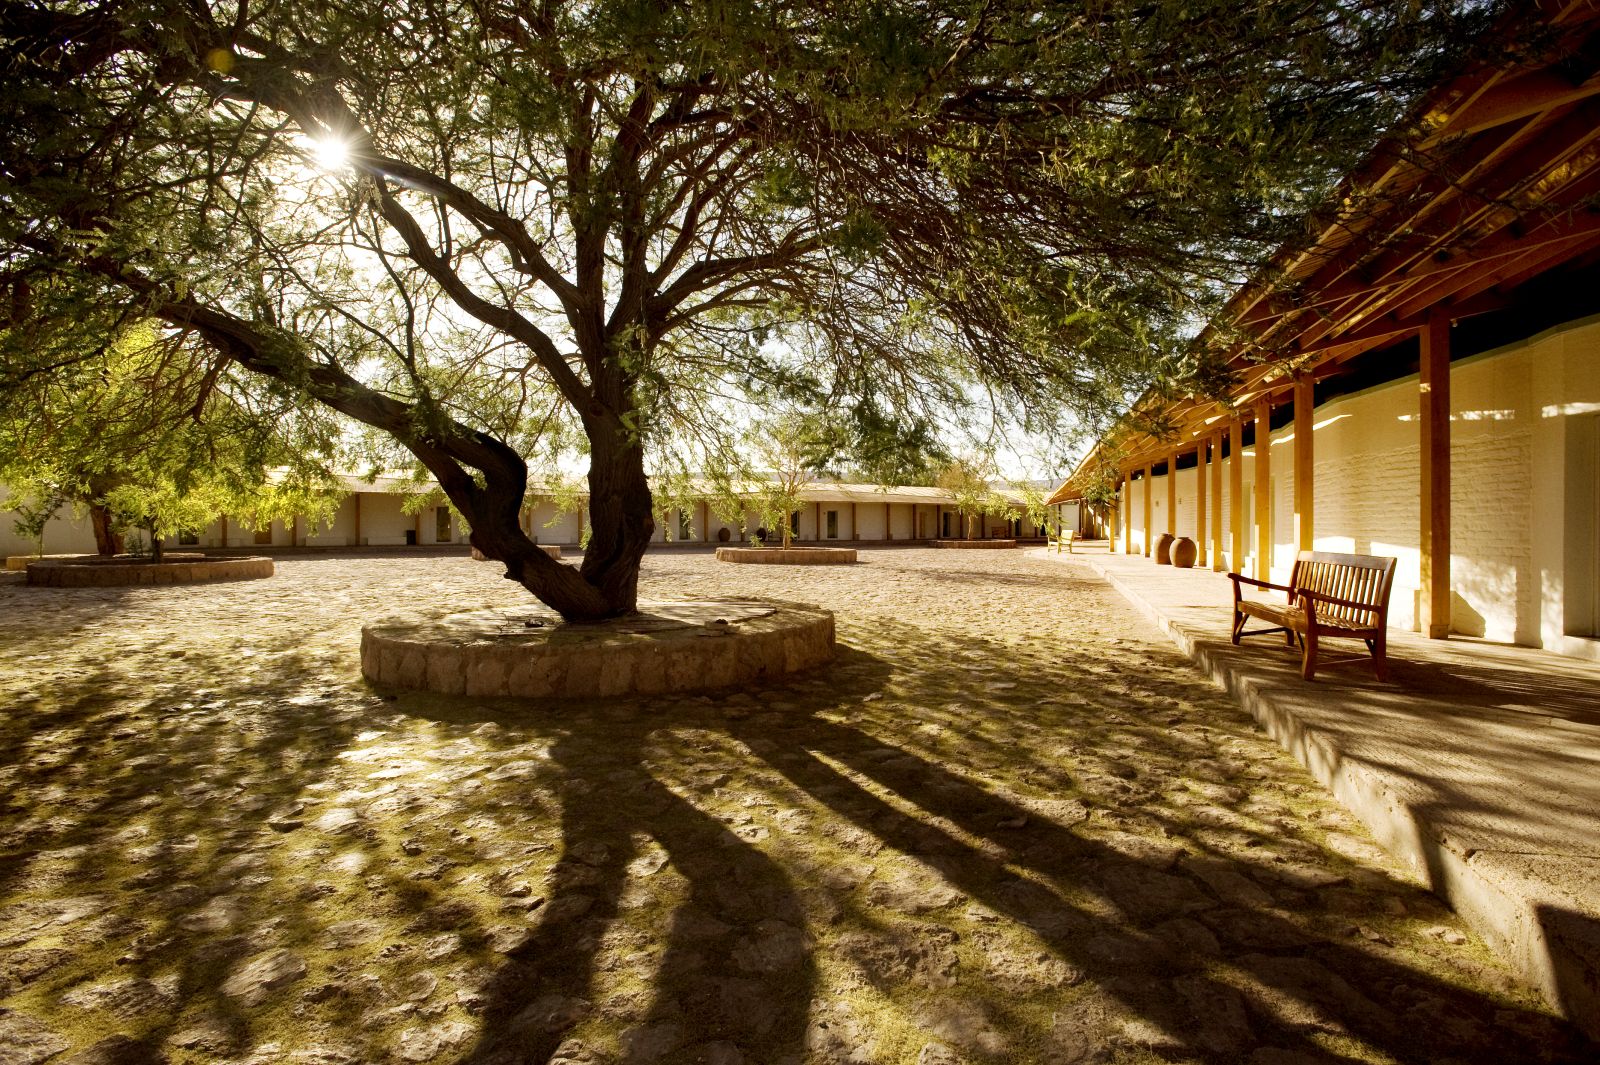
[373, 514]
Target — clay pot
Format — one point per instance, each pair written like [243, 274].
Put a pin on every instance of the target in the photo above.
[1184, 552]
[1164, 550]
[723, 536]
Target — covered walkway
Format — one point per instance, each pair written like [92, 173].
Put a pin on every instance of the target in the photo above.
[1479, 764]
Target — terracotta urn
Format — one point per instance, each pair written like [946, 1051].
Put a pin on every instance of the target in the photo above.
[1164, 550]
[1184, 552]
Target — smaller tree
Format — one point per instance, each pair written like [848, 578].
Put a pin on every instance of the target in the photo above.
[791, 447]
[966, 482]
[1034, 508]
[34, 511]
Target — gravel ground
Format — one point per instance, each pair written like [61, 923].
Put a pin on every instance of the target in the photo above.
[1009, 824]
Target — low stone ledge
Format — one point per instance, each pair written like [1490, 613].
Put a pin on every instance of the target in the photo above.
[788, 556]
[553, 550]
[529, 652]
[189, 568]
[19, 563]
[976, 545]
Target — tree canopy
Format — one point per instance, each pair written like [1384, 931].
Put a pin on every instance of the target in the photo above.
[471, 224]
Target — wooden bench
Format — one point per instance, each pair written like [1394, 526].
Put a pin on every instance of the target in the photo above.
[1063, 539]
[1328, 595]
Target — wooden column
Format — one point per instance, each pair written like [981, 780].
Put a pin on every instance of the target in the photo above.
[1304, 468]
[225, 528]
[818, 519]
[1263, 491]
[1149, 469]
[888, 520]
[418, 525]
[583, 511]
[853, 532]
[1216, 501]
[1236, 492]
[1172, 494]
[1200, 504]
[1434, 609]
[1127, 513]
[705, 521]
[294, 532]
[358, 519]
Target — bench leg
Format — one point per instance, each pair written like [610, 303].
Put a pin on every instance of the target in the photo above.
[1380, 657]
[1308, 660]
[1238, 626]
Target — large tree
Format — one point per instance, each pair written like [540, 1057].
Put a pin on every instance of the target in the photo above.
[463, 222]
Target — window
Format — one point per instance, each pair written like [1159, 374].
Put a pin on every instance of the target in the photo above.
[833, 525]
[794, 524]
[188, 538]
[683, 526]
[441, 523]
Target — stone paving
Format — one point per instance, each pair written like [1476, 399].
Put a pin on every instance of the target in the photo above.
[1009, 824]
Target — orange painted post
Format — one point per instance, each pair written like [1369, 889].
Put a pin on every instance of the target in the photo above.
[1172, 494]
[1200, 504]
[1216, 500]
[1434, 608]
[1236, 491]
[1304, 468]
[1149, 469]
[1127, 516]
[1264, 490]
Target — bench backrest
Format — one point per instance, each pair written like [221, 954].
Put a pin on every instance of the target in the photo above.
[1364, 579]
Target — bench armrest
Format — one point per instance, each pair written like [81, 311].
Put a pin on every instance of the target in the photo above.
[1237, 577]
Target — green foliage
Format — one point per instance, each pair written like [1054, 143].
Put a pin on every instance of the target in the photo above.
[156, 431]
[790, 447]
[968, 483]
[34, 513]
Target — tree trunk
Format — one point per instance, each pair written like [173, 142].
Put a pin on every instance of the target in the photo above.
[107, 540]
[157, 549]
[620, 526]
[621, 522]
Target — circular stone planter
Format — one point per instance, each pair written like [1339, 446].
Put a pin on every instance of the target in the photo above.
[95, 572]
[529, 652]
[975, 545]
[553, 550]
[788, 556]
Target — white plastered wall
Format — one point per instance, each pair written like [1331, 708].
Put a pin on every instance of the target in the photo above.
[1511, 412]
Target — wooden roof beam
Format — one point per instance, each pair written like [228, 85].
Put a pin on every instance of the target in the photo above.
[1558, 144]
[1503, 246]
[1515, 98]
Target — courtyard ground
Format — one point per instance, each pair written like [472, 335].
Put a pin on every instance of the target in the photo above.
[1009, 824]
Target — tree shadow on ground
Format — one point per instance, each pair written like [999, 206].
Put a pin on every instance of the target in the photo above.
[1084, 915]
[1025, 851]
